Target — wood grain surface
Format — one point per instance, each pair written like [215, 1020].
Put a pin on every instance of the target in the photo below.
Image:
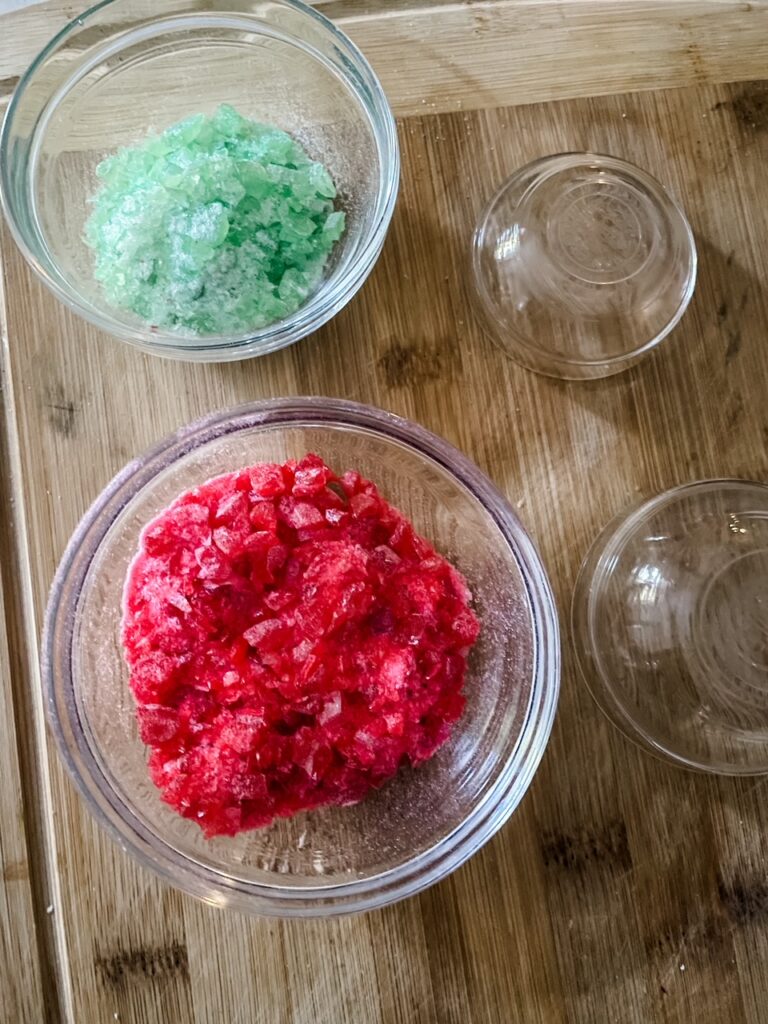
[438, 55]
[20, 989]
[622, 890]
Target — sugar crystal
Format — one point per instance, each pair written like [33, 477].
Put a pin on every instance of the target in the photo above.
[219, 225]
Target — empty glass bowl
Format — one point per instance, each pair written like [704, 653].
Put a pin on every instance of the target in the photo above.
[670, 622]
[582, 264]
[422, 824]
[127, 68]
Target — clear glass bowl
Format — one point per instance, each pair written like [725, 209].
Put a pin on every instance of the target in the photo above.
[582, 264]
[422, 824]
[670, 623]
[128, 67]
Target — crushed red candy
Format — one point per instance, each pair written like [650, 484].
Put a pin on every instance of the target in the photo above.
[292, 641]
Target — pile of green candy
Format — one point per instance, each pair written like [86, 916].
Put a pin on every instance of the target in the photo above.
[219, 225]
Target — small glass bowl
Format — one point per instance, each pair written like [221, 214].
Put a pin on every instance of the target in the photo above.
[424, 822]
[670, 624]
[582, 264]
[127, 68]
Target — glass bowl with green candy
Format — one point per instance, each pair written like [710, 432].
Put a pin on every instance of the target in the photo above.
[204, 181]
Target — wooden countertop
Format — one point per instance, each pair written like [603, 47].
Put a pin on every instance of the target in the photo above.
[622, 889]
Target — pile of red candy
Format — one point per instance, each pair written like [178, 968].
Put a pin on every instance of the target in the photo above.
[292, 641]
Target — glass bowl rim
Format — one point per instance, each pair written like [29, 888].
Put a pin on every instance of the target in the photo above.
[121, 822]
[330, 296]
[572, 158]
[608, 543]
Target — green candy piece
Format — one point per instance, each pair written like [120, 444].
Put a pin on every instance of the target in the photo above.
[219, 225]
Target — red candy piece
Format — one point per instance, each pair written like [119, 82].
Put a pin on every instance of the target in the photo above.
[292, 641]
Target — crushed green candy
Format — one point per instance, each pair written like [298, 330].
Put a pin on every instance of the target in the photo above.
[219, 225]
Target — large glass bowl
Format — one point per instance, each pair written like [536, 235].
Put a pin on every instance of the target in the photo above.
[423, 823]
[126, 68]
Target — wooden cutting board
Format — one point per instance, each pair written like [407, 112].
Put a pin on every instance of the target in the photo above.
[622, 889]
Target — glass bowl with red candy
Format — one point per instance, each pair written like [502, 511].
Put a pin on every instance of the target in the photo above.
[301, 658]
